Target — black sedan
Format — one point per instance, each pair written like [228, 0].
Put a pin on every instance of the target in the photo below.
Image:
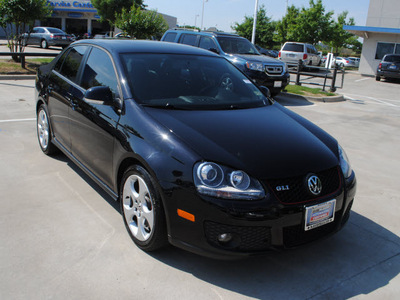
[195, 152]
[389, 67]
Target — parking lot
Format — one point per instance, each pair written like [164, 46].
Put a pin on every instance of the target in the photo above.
[62, 237]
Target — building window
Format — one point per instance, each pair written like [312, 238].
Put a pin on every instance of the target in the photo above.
[386, 48]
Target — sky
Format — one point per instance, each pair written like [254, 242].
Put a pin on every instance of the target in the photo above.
[225, 13]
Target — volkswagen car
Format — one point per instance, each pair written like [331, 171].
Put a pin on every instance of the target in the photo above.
[197, 155]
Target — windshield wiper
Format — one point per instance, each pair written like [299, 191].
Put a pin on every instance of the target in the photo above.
[165, 106]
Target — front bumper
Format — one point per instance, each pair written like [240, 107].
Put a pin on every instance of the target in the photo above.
[274, 83]
[257, 226]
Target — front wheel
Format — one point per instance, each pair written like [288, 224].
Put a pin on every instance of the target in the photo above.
[44, 132]
[142, 209]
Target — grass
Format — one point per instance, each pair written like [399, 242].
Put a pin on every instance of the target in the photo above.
[307, 91]
[10, 67]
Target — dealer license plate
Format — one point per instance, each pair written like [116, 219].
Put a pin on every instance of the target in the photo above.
[320, 214]
[277, 83]
[392, 67]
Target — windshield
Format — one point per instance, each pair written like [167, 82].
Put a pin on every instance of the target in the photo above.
[237, 46]
[189, 82]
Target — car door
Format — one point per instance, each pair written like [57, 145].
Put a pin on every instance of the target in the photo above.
[33, 37]
[61, 87]
[93, 125]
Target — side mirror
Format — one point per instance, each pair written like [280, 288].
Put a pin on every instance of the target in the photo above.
[213, 50]
[99, 95]
[265, 91]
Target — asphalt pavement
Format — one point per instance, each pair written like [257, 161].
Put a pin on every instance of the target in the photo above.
[63, 238]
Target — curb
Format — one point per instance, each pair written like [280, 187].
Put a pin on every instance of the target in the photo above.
[337, 98]
[17, 77]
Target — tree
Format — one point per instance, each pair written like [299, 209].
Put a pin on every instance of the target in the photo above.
[286, 25]
[141, 24]
[17, 15]
[308, 25]
[339, 37]
[264, 29]
[108, 9]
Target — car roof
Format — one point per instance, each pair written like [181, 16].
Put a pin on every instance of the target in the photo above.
[208, 33]
[145, 46]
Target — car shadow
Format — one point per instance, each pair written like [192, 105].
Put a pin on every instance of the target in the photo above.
[63, 158]
[348, 264]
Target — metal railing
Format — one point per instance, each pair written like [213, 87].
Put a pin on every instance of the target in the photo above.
[22, 55]
[322, 72]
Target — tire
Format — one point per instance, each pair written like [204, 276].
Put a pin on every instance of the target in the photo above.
[142, 209]
[44, 133]
[44, 44]
[378, 78]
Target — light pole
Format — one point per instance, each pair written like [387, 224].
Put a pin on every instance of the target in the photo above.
[202, 15]
[253, 37]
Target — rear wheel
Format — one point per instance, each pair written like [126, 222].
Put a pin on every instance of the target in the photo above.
[142, 209]
[44, 44]
[378, 78]
[44, 132]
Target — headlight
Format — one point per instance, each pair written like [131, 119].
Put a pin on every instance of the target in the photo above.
[344, 163]
[214, 180]
[256, 66]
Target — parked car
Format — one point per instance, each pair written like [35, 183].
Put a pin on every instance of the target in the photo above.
[344, 62]
[46, 37]
[270, 53]
[196, 153]
[389, 67]
[292, 52]
[356, 60]
[264, 70]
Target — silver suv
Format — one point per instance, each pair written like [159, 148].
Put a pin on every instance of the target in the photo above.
[292, 52]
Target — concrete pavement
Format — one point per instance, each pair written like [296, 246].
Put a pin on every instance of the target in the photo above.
[63, 238]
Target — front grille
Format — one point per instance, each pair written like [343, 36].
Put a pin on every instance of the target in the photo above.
[295, 189]
[274, 70]
[251, 238]
[294, 236]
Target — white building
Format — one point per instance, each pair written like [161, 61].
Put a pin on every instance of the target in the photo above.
[381, 34]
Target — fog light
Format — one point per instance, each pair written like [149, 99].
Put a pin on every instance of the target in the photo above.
[225, 237]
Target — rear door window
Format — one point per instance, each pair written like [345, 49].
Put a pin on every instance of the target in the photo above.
[72, 62]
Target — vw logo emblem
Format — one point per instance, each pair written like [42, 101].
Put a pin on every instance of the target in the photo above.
[314, 185]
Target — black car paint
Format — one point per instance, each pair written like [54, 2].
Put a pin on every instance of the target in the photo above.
[266, 142]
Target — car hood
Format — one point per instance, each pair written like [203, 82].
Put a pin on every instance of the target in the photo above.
[267, 142]
[258, 58]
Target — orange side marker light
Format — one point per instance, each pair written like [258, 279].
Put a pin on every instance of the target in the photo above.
[185, 215]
